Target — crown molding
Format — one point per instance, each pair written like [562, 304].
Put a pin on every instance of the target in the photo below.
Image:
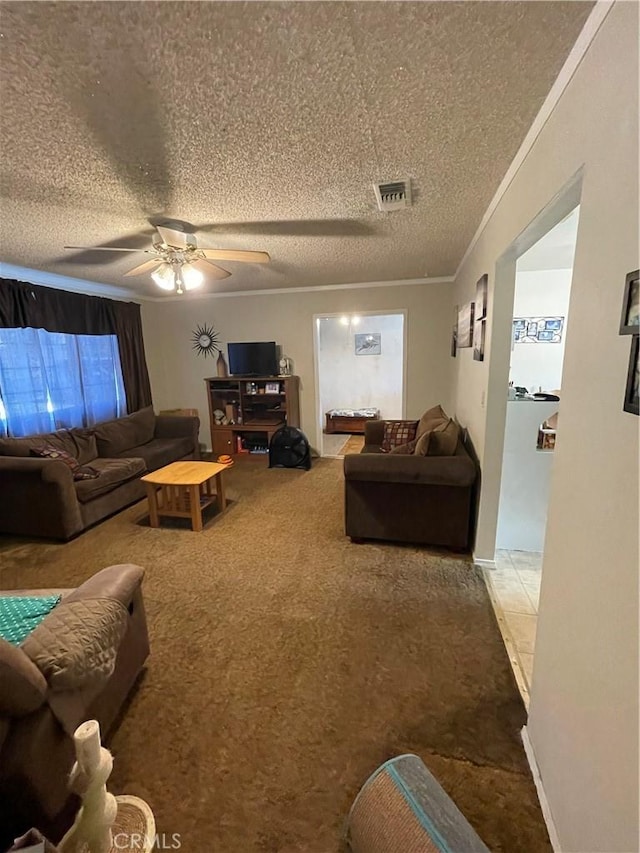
[65, 282]
[578, 51]
[94, 288]
[405, 282]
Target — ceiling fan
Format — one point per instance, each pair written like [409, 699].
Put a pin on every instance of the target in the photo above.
[178, 263]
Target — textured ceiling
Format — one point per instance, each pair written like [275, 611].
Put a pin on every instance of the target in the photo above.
[262, 121]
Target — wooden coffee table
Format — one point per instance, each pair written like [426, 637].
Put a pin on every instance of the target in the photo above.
[185, 489]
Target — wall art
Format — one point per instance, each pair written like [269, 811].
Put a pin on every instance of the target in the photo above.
[632, 391]
[465, 325]
[482, 290]
[630, 320]
[537, 330]
[478, 339]
[205, 340]
[368, 344]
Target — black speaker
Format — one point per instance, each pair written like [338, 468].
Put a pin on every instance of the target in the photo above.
[289, 448]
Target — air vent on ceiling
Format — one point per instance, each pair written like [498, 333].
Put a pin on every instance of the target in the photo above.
[392, 195]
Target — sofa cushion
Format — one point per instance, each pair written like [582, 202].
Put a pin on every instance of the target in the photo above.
[162, 451]
[397, 433]
[440, 441]
[432, 418]
[78, 443]
[85, 448]
[111, 473]
[403, 449]
[22, 685]
[115, 437]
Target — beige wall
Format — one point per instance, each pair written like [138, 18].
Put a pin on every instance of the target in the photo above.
[177, 372]
[583, 719]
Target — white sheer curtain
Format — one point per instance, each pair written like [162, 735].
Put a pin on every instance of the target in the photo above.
[50, 381]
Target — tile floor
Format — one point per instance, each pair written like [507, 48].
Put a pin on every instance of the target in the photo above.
[332, 443]
[514, 588]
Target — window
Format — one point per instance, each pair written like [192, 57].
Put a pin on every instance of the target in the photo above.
[50, 381]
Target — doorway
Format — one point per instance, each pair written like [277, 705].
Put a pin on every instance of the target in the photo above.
[360, 375]
[543, 276]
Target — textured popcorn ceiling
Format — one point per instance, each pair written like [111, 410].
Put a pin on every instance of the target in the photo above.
[242, 115]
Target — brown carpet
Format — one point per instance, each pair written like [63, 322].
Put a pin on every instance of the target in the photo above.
[353, 444]
[287, 663]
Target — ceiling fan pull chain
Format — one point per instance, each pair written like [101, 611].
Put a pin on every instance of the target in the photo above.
[178, 277]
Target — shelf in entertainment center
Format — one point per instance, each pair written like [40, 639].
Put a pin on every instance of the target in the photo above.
[229, 395]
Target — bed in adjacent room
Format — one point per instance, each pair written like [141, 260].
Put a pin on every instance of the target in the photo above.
[350, 420]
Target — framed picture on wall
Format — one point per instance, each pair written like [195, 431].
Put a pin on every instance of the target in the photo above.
[454, 332]
[632, 391]
[465, 325]
[368, 343]
[478, 340]
[482, 289]
[537, 330]
[630, 320]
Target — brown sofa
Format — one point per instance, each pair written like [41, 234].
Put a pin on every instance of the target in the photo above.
[406, 497]
[59, 676]
[40, 496]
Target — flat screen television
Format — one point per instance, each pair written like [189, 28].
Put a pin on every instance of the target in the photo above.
[258, 358]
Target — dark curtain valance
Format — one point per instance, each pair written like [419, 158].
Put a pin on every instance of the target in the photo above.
[24, 305]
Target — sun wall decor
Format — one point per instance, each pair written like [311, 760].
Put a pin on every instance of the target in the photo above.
[205, 340]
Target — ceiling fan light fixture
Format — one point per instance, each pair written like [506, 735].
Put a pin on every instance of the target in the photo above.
[191, 277]
[164, 277]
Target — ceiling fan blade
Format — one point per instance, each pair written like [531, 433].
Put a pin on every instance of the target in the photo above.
[106, 249]
[236, 255]
[210, 269]
[175, 239]
[147, 266]
[94, 256]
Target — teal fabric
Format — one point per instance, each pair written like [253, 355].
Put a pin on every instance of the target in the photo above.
[19, 615]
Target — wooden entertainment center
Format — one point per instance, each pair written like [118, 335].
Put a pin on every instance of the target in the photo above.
[254, 407]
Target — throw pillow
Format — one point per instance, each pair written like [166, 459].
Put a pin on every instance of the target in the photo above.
[80, 472]
[444, 439]
[432, 418]
[85, 472]
[422, 444]
[49, 452]
[404, 449]
[440, 441]
[396, 433]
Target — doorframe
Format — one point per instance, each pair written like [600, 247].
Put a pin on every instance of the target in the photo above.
[558, 208]
[384, 312]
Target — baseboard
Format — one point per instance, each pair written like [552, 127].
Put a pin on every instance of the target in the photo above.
[484, 564]
[544, 803]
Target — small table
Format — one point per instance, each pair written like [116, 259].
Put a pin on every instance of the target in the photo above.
[186, 490]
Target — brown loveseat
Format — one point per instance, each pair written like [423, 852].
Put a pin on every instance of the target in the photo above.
[79, 663]
[40, 496]
[404, 496]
